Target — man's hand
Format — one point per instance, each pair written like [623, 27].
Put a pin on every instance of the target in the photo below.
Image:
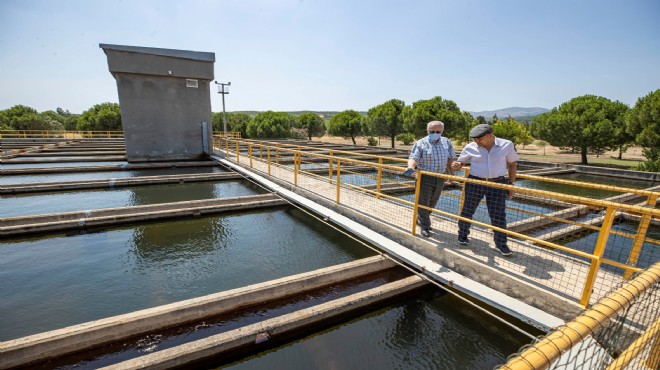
[456, 165]
[510, 192]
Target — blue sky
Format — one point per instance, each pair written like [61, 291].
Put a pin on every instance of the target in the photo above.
[287, 55]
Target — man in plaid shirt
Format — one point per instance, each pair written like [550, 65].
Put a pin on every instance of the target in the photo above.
[432, 153]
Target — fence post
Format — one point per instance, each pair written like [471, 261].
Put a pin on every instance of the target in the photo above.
[268, 156]
[380, 176]
[338, 178]
[330, 167]
[250, 153]
[238, 152]
[418, 185]
[295, 168]
[460, 205]
[644, 222]
[603, 236]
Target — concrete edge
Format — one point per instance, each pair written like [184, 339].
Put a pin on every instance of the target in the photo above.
[30, 349]
[188, 353]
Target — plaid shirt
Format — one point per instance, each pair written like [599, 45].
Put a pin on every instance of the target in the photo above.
[432, 157]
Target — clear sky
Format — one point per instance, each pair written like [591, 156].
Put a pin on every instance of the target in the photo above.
[287, 55]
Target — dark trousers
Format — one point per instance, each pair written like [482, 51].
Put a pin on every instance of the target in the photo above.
[495, 202]
[429, 193]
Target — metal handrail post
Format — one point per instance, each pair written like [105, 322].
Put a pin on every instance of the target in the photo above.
[603, 236]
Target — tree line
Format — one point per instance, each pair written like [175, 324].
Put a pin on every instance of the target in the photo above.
[586, 124]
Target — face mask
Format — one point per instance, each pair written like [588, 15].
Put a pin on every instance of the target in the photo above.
[434, 137]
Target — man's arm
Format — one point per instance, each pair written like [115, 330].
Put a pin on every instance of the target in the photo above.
[513, 169]
[412, 163]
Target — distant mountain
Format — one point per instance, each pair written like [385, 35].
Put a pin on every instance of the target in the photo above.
[513, 112]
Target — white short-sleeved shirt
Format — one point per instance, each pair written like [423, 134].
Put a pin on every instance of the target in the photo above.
[491, 164]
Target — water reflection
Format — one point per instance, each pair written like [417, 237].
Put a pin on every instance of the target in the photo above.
[82, 176]
[52, 282]
[431, 332]
[81, 200]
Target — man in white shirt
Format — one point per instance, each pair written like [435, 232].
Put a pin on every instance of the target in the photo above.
[491, 159]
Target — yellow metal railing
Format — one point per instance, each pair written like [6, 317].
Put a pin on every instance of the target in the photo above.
[231, 134]
[346, 169]
[628, 315]
[49, 134]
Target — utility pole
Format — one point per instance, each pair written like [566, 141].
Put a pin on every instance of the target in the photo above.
[222, 89]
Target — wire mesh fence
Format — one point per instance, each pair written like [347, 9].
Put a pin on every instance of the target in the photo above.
[620, 331]
[575, 246]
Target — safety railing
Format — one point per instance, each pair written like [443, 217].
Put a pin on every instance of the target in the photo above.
[231, 134]
[575, 246]
[50, 134]
[620, 331]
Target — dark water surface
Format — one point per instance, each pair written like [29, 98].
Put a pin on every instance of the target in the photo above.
[81, 200]
[430, 332]
[52, 282]
[82, 176]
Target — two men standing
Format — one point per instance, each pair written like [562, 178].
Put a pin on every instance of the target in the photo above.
[490, 158]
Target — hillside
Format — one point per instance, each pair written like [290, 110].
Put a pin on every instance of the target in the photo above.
[512, 111]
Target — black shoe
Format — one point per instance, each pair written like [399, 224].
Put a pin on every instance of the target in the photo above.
[420, 225]
[463, 241]
[425, 233]
[504, 249]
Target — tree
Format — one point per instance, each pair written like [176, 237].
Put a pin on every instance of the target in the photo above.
[542, 144]
[586, 122]
[512, 130]
[71, 122]
[622, 139]
[101, 117]
[347, 124]
[21, 117]
[643, 122]
[312, 123]
[236, 122]
[270, 124]
[457, 123]
[54, 116]
[386, 119]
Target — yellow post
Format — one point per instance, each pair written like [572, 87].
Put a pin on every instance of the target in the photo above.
[545, 352]
[338, 178]
[268, 153]
[226, 146]
[261, 151]
[460, 205]
[330, 167]
[295, 168]
[418, 185]
[277, 154]
[633, 351]
[380, 175]
[250, 153]
[603, 236]
[653, 360]
[644, 223]
[238, 153]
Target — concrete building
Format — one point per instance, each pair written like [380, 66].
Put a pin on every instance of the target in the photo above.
[165, 101]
